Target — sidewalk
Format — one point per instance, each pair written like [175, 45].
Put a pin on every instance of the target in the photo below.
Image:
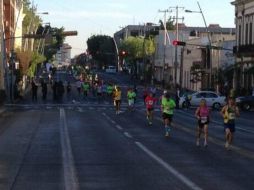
[2, 109]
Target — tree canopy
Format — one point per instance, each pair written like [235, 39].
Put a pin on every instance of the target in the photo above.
[138, 47]
[102, 49]
[169, 24]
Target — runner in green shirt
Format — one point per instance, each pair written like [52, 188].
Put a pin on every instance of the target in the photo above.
[168, 105]
[85, 87]
[110, 90]
[131, 95]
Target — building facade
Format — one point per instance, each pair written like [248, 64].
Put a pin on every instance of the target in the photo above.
[194, 53]
[63, 56]
[132, 30]
[244, 49]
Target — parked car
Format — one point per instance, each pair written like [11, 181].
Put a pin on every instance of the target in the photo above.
[213, 99]
[111, 69]
[245, 102]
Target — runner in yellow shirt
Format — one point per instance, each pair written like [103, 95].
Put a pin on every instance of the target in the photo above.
[117, 99]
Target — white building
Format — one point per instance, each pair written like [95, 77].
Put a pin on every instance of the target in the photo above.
[63, 56]
[244, 50]
[2, 85]
[190, 55]
[19, 17]
[164, 60]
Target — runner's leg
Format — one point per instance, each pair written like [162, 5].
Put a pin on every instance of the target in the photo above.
[205, 134]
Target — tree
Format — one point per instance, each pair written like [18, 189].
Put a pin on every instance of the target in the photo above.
[138, 47]
[196, 73]
[57, 41]
[169, 24]
[102, 49]
[35, 60]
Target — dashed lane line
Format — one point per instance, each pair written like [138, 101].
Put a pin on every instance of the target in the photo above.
[128, 135]
[169, 168]
[70, 174]
[119, 127]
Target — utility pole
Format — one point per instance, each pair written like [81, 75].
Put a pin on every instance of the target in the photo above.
[176, 18]
[165, 40]
[209, 50]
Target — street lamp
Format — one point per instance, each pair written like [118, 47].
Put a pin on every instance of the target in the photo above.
[209, 41]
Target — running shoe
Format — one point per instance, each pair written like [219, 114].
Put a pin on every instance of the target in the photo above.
[197, 143]
[205, 144]
[227, 145]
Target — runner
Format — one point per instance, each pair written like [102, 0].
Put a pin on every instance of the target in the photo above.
[99, 92]
[78, 85]
[202, 114]
[150, 102]
[131, 95]
[85, 88]
[229, 112]
[145, 94]
[168, 105]
[110, 90]
[117, 99]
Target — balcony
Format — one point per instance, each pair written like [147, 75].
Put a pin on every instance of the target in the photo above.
[244, 50]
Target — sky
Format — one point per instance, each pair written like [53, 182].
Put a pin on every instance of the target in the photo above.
[91, 17]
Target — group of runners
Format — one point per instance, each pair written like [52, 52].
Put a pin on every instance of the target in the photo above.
[203, 114]
[98, 89]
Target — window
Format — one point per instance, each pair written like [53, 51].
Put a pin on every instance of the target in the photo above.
[246, 33]
[240, 35]
[201, 95]
[211, 95]
[250, 34]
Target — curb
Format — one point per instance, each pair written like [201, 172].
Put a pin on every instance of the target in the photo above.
[2, 110]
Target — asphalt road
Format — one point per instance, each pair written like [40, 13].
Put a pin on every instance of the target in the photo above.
[83, 144]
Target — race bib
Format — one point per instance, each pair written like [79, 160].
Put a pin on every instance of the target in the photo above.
[203, 119]
[231, 116]
[150, 102]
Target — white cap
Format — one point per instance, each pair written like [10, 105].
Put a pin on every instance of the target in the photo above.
[165, 92]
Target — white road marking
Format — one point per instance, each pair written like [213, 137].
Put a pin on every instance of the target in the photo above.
[70, 175]
[169, 168]
[119, 127]
[112, 121]
[127, 135]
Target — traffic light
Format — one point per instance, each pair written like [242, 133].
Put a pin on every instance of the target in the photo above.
[123, 53]
[179, 43]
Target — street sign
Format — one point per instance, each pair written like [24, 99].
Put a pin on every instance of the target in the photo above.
[70, 33]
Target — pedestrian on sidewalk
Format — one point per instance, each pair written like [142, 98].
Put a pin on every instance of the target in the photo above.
[177, 97]
[44, 90]
[68, 90]
[34, 90]
[60, 91]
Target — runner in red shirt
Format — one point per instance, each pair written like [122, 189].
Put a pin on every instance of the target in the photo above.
[150, 102]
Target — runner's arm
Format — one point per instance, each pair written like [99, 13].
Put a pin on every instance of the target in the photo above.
[197, 113]
[237, 111]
